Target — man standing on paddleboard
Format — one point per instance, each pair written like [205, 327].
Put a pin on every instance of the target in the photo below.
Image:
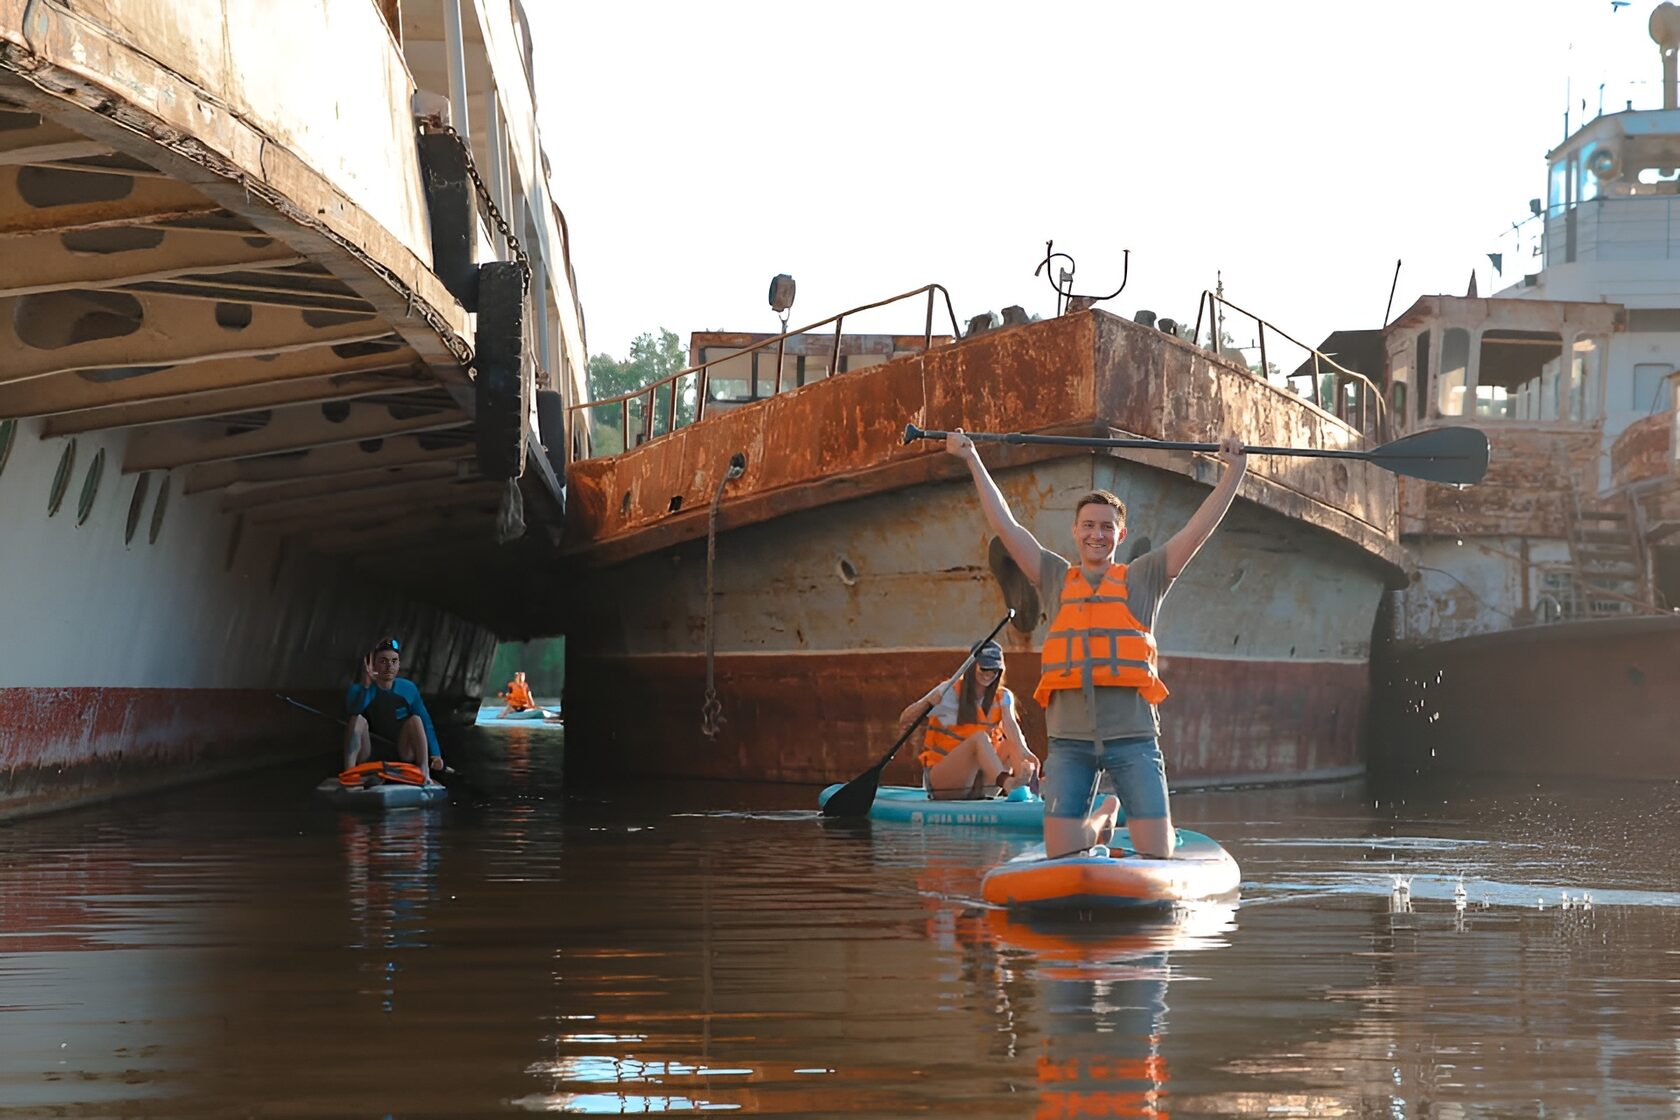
[1099, 686]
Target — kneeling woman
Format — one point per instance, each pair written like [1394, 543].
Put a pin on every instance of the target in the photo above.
[973, 741]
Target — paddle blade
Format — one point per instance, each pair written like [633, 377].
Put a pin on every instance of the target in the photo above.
[1456, 455]
[855, 797]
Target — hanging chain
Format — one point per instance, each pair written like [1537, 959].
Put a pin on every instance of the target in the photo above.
[711, 709]
[436, 124]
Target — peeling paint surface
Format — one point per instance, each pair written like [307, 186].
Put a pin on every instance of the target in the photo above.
[1089, 373]
[1644, 450]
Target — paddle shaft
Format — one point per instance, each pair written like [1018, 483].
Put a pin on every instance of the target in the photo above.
[1169, 445]
[1456, 455]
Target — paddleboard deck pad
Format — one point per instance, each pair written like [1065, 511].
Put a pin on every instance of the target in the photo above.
[387, 795]
[1112, 878]
[1021, 811]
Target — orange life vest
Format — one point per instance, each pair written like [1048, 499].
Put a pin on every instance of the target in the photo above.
[405, 773]
[1096, 636]
[519, 696]
[942, 738]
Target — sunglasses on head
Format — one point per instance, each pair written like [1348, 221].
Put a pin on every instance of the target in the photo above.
[388, 644]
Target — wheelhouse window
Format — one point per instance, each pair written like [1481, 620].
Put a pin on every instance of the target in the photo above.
[1649, 383]
[1455, 364]
[1513, 367]
[1557, 194]
[1583, 379]
[1588, 189]
[1422, 375]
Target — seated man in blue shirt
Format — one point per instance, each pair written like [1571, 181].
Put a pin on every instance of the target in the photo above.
[388, 720]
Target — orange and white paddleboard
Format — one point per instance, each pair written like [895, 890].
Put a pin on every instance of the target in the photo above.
[1112, 878]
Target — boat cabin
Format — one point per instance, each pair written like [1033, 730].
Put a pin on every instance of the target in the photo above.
[1464, 359]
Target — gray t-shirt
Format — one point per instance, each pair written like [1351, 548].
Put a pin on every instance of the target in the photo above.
[1120, 712]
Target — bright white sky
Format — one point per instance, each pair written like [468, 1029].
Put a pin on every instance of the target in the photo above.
[1298, 148]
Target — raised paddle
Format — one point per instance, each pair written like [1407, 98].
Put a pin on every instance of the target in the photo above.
[447, 776]
[855, 797]
[1457, 455]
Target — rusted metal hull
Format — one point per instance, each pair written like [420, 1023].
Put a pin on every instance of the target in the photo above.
[851, 572]
[1597, 699]
[62, 747]
[819, 716]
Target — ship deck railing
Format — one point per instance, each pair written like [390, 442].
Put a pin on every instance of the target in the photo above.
[672, 388]
[1345, 393]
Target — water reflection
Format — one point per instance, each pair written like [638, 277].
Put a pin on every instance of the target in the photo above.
[1094, 994]
[234, 948]
[390, 876]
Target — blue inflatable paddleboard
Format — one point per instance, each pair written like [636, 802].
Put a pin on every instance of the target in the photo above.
[1021, 811]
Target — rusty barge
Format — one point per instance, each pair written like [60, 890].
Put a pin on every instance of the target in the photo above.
[1540, 635]
[287, 334]
[758, 590]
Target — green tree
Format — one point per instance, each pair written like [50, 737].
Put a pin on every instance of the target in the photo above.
[542, 661]
[653, 357]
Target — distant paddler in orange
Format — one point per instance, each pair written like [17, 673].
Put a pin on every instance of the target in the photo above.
[518, 697]
[973, 742]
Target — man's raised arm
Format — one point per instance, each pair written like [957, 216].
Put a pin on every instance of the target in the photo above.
[1022, 546]
[1184, 544]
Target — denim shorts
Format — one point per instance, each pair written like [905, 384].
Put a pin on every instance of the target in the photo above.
[1134, 765]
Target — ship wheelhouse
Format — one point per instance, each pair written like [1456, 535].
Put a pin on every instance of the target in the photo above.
[1475, 361]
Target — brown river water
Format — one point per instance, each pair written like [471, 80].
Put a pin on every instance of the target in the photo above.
[234, 949]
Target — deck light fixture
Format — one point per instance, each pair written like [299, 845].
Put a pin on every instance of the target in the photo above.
[781, 296]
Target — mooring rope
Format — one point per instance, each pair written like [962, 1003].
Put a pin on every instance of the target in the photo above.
[711, 709]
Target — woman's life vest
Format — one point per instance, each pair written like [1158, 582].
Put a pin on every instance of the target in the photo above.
[519, 695]
[942, 738]
[1095, 638]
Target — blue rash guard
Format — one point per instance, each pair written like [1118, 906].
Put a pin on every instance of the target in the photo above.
[385, 711]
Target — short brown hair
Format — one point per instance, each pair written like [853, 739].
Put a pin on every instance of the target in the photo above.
[1101, 498]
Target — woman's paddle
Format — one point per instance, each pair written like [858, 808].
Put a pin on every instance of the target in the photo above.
[447, 776]
[1456, 455]
[855, 797]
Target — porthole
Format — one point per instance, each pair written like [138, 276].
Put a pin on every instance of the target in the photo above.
[61, 480]
[8, 432]
[233, 316]
[157, 512]
[52, 186]
[90, 486]
[121, 239]
[233, 541]
[142, 483]
[54, 320]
